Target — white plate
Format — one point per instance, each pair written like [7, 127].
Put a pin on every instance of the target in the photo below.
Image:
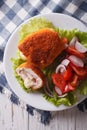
[36, 100]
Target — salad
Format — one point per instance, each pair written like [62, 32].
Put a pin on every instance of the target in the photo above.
[67, 74]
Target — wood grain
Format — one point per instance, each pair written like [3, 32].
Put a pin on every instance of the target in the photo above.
[13, 117]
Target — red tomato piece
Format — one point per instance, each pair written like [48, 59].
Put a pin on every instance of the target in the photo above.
[73, 51]
[75, 81]
[59, 81]
[68, 73]
[71, 88]
[80, 71]
[68, 88]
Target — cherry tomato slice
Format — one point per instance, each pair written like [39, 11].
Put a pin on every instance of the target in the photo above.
[75, 81]
[59, 81]
[73, 51]
[68, 88]
[68, 73]
[80, 71]
[71, 88]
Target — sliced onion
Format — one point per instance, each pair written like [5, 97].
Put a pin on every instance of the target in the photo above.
[80, 47]
[58, 91]
[66, 87]
[76, 61]
[63, 95]
[47, 92]
[65, 62]
[47, 89]
[73, 41]
[60, 68]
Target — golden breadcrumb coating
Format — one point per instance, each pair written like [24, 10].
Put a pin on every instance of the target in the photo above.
[42, 47]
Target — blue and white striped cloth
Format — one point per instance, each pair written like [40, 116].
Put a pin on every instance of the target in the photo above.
[13, 13]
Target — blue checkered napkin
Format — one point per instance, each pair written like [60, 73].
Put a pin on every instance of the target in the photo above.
[13, 13]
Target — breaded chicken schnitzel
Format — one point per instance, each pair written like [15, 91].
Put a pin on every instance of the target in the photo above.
[42, 47]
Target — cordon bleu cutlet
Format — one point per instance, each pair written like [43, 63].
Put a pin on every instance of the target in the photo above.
[41, 47]
[31, 75]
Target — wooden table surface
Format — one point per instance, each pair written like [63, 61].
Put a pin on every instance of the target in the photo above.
[13, 117]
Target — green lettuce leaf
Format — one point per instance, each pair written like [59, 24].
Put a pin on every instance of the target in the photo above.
[68, 100]
[34, 25]
[82, 88]
[82, 36]
[67, 33]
